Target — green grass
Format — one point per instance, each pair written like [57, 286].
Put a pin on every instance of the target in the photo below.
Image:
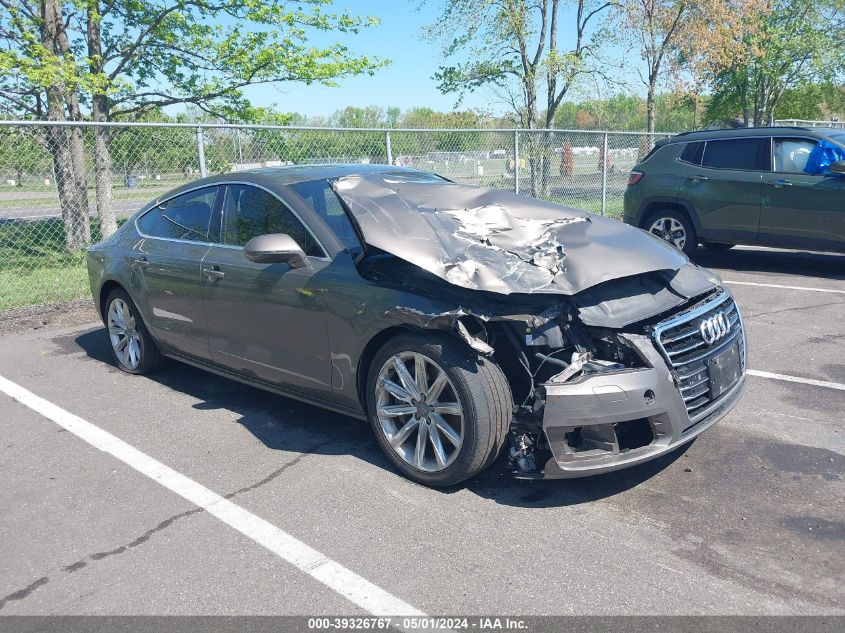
[35, 266]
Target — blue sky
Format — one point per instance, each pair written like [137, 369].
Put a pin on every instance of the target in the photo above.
[407, 82]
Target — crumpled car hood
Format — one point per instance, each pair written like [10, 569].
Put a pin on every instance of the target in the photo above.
[497, 241]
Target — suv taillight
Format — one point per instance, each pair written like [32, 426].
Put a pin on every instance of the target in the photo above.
[634, 177]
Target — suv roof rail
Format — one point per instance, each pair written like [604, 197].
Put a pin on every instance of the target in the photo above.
[705, 132]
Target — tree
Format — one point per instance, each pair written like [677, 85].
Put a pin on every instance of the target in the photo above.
[513, 47]
[655, 28]
[127, 57]
[789, 45]
[38, 78]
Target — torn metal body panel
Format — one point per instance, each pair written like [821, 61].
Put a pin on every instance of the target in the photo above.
[497, 241]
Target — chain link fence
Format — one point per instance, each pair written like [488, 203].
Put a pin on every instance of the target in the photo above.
[63, 187]
[832, 123]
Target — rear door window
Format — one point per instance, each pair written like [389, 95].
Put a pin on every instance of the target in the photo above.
[749, 154]
[184, 217]
[692, 153]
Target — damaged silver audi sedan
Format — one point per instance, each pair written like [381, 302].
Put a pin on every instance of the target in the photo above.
[461, 321]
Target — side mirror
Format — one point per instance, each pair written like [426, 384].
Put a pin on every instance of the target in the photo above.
[275, 248]
[837, 168]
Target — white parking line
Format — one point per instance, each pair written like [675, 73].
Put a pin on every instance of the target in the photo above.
[332, 574]
[805, 381]
[751, 283]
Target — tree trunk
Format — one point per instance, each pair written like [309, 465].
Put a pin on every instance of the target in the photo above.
[77, 166]
[649, 106]
[66, 151]
[100, 114]
[103, 171]
[533, 145]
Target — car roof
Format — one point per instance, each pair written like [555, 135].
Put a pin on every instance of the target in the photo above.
[291, 174]
[278, 177]
[745, 132]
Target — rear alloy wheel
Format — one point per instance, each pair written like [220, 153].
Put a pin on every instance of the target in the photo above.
[675, 228]
[439, 410]
[131, 344]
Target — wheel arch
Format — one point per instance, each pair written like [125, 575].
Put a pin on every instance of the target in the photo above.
[652, 205]
[377, 342]
[105, 290]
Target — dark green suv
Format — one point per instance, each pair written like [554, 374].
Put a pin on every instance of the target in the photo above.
[777, 186]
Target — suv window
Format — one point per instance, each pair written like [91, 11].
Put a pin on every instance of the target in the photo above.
[791, 154]
[692, 153]
[321, 197]
[184, 217]
[250, 211]
[750, 154]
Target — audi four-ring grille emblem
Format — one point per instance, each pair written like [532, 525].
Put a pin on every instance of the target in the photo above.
[715, 328]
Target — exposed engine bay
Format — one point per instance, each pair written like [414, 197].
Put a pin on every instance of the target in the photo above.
[544, 291]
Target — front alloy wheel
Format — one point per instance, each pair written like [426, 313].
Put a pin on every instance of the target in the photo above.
[439, 410]
[419, 411]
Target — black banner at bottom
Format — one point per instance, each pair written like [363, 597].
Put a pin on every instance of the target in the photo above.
[479, 623]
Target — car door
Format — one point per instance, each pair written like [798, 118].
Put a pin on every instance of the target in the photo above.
[724, 188]
[801, 210]
[166, 264]
[266, 320]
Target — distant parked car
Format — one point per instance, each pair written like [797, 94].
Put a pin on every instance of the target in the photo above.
[459, 320]
[779, 186]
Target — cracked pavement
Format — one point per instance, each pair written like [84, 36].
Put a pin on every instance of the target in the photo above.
[748, 519]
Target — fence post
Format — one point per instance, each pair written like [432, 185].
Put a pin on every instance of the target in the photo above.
[201, 152]
[604, 174]
[389, 149]
[516, 161]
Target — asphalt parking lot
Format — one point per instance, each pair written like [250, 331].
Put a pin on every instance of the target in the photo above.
[748, 519]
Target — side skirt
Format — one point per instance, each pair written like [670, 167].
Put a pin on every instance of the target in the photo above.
[266, 386]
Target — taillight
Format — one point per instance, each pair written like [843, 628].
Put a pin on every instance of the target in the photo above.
[634, 177]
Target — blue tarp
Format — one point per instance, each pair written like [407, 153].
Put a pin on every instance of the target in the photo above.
[821, 156]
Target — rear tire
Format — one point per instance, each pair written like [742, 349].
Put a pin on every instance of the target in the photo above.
[443, 438]
[131, 345]
[674, 227]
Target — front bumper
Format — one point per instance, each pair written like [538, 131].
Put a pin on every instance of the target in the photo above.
[607, 421]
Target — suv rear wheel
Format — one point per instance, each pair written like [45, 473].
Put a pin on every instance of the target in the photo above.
[674, 227]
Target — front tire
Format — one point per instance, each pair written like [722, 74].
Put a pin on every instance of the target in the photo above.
[439, 410]
[673, 227]
[131, 345]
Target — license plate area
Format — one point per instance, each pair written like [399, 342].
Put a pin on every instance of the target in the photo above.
[724, 370]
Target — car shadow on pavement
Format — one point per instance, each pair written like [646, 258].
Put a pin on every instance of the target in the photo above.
[282, 423]
[803, 263]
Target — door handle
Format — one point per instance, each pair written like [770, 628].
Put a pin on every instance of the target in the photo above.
[698, 177]
[781, 183]
[141, 262]
[213, 274]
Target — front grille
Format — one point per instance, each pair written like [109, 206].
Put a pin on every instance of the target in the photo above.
[683, 346]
